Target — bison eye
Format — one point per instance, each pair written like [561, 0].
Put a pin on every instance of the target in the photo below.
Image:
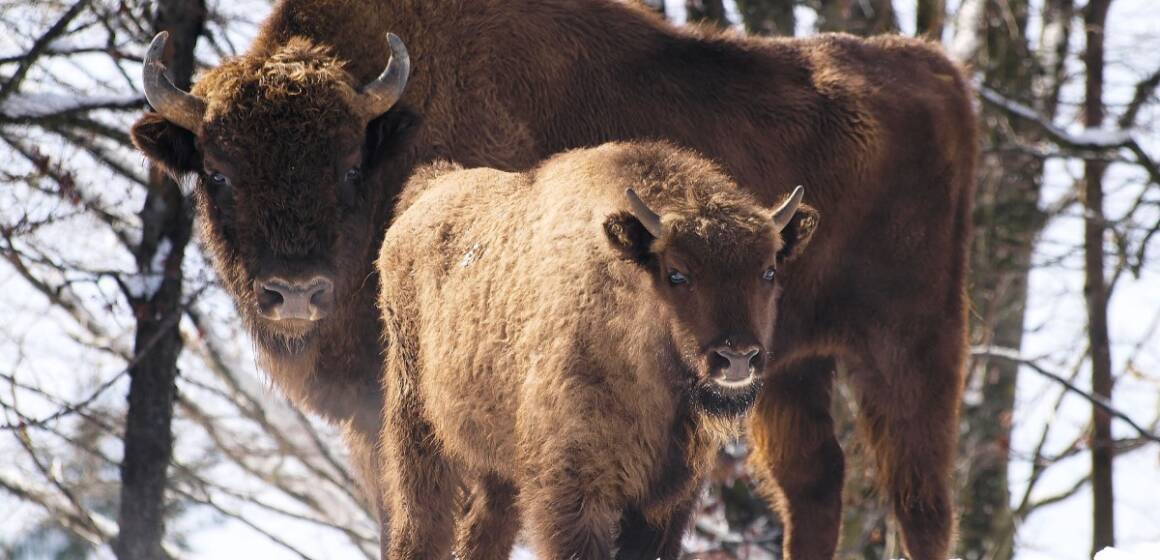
[769, 274]
[350, 186]
[677, 278]
[218, 179]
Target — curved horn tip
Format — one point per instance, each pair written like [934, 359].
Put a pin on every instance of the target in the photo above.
[156, 48]
[648, 218]
[177, 106]
[380, 94]
[397, 44]
[785, 211]
[399, 56]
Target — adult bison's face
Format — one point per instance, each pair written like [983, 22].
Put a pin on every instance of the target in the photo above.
[716, 272]
[285, 149]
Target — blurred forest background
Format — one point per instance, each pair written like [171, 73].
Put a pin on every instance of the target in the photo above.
[130, 402]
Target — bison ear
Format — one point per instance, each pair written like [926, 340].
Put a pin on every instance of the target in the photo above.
[167, 144]
[628, 237]
[389, 134]
[798, 232]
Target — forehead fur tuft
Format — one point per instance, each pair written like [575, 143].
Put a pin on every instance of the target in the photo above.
[693, 195]
[299, 72]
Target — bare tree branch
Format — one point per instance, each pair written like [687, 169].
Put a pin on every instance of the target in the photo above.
[1012, 355]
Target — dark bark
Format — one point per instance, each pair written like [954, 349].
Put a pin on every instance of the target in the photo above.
[930, 18]
[767, 17]
[1095, 286]
[833, 14]
[1007, 220]
[860, 17]
[706, 11]
[166, 225]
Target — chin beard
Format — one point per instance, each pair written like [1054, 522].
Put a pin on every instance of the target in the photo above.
[281, 343]
[715, 400]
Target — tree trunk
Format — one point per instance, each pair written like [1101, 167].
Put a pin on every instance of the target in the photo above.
[708, 11]
[767, 17]
[860, 17]
[930, 18]
[1095, 287]
[157, 303]
[1007, 221]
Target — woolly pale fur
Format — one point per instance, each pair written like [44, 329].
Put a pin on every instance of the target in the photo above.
[526, 342]
[880, 131]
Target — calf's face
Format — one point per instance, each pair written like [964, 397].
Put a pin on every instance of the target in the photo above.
[716, 271]
[282, 147]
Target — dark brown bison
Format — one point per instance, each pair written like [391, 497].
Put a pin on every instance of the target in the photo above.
[283, 144]
[880, 129]
[585, 345]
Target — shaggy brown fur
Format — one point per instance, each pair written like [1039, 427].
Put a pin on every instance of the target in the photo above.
[880, 131]
[535, 337]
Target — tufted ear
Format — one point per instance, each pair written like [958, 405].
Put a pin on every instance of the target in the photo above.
[798, 232]
[167, 144]
[628, 237]
[388, 134]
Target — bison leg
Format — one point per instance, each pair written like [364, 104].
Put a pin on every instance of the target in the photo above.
[569, 516]
[420, 485]
[909, 402]
[641, 540]
[490, 521]
[797, 458]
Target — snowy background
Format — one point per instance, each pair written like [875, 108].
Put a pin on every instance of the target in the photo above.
[261, 480]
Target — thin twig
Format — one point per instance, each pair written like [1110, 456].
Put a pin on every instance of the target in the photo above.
[1012, 355]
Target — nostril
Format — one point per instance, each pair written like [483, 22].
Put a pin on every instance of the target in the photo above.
[272, 297]
[753, 355]
[717, 361]
[321, 294]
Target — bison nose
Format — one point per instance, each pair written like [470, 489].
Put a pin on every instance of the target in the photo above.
[309, 299]
[733, 366]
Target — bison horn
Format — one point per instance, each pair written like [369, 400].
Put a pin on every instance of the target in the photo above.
[785, 212]
[381, 94]
[180, 108]
[649, 219]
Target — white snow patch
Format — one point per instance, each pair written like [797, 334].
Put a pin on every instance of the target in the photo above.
[1115, 554]
[1101, 137]
[1093, 138]
[966, 39]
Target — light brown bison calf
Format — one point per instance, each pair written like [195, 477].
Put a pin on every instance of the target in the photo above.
[554, 334]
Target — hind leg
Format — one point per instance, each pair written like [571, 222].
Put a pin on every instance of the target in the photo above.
[797, 457]
[490, 520]
[909, 400]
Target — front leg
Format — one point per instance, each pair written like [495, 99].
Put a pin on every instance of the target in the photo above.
[490, 521]
[567, 521]
[641, 540]
[420, 485]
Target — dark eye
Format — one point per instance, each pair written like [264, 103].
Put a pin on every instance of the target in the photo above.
[769, 274]
[350, 186]
[217, 178]
[677, 278]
